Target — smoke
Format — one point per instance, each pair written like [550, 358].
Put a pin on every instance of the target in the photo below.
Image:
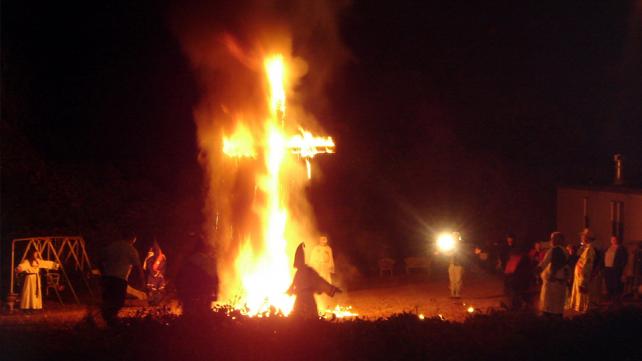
[226, 44]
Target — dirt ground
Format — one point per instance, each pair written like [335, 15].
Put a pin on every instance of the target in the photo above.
[382, 297]
[426, 294]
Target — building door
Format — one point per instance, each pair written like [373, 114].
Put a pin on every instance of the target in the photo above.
[617, 223]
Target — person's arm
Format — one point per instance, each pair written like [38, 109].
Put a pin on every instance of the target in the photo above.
[323, 286]
[331, 260]
[48, 265]
[135, 261]
[292, 290]
[621, 258]
[22, 267]
[547, 259]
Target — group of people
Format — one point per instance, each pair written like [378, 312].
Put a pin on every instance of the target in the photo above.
[197, 280]
[574, 281]
[116, 262]
[310, 280]
[565, 277]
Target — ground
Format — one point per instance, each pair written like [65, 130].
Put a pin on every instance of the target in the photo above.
[379, 297]
[388, 328]
[426, 294]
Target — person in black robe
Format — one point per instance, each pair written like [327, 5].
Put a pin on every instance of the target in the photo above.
[305, 284]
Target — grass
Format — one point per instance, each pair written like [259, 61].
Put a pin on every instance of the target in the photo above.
[609, 335]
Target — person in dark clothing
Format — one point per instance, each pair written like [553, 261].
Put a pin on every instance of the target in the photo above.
[116, 262]
[505, 249]
[197, 281]
[518, 278]
[571, 250]
[305, 284]
[536, 255]
[615, 259]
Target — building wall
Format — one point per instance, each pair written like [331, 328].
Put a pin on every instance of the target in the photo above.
[570, 213]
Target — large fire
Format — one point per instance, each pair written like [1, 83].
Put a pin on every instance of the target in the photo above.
[263, 268]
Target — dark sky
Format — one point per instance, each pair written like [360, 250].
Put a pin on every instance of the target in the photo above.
[449, 113]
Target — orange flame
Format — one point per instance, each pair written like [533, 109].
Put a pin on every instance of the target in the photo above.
[240, 144]
[340, 312]
[275, 69]
[264, 268]
[307, 146]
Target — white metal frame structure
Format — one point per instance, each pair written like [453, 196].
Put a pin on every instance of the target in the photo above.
[65, 250]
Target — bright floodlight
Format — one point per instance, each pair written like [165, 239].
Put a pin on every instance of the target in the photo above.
[446, 242]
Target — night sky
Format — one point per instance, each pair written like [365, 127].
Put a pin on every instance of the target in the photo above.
[446, 114]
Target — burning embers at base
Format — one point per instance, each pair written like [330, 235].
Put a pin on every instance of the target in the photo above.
[272, 220]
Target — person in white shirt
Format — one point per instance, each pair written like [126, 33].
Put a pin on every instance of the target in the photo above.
[615, 259]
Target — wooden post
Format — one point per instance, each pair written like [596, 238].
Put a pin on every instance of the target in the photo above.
[64, 273]
[13, 251]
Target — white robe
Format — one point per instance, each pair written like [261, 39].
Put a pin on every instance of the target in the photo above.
[322, 261]
[583, 271]
[31, 295]
[552, 296]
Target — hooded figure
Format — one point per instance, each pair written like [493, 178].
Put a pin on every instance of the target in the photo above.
[305, 284]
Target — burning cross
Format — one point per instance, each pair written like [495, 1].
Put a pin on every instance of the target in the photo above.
[262, 268]
[305, 145]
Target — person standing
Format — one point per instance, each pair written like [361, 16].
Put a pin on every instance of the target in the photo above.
[537, 253]
[505, 250]
[154, 267]
[322, 260]
[305, 284]
[583, 274]
[615, 259]
[455, 267]
[555, 274]
[116, 262]
[197, 281]
[31, 294]
[518, 278]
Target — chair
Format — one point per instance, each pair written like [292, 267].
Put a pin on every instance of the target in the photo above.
[53, 281]
[386, 265]
[417, 263]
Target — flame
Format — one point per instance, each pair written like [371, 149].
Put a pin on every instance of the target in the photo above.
[307, 146]
[263, 268]
[275, 69]
[340, 312]
[240, 144]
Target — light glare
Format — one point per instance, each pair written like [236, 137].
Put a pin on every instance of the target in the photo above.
[445, 242]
